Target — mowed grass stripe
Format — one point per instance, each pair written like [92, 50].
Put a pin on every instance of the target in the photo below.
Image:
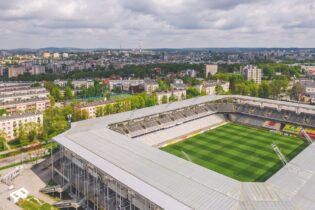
[238, 151]
[250, 151]
[222, 165]
[230, 153]
[275, 137]
[294, 142]
[267, 137]
[227, 164]
[196, 148]
[260, 141]
[243, 143]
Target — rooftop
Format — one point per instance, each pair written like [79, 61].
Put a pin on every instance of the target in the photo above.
[20, 115]
[94, 103]
[32, 100]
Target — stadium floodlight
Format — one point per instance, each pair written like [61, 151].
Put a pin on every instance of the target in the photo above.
[308, 138]
[279, 153]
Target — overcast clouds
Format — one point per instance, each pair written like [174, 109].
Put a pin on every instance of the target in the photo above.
[157, 23]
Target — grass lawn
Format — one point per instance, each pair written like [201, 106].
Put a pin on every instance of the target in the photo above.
[238, 151]
[31, 203]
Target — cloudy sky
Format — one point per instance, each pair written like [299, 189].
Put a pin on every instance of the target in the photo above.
[157, 23]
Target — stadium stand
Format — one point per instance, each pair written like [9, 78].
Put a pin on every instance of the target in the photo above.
[272, 125]
[181, 131]
[250, 114]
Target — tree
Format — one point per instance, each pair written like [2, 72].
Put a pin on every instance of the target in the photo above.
[235, 79]
[2, 141]
[219, 90]
[55, 121]
[52, 100]
[163, 85]
[172, 98]
[242, 89]
[277, 86]
[164, 99]
[49, 86]
[253, 88]
[99, 112]
[264, 90]
[55, 92]
[3, 112]
[297, 91]
[28, 132]
[68, 93]
[192, 92]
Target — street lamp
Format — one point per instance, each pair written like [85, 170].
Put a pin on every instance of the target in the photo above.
[69, 117]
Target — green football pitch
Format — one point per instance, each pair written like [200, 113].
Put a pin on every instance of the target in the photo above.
[240, 152]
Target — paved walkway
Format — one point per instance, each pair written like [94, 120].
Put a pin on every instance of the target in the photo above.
[32, 180]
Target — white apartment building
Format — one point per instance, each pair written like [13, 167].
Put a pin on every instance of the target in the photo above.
[65, 55]
[38, 104]
[10, 125]
[37, 70]
[178, 84]
[60, 83]
[46, 55]
[125, 84]
[251, 72]
[309, 70]
[56, 55]
[211, 69]
[309, 85]
[91, 107]
[178, 94]
[150, 85]
[77, 84]
[25, 90]
[209, 86]
[24, 95]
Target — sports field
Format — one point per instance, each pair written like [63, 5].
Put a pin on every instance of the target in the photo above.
[240, 152]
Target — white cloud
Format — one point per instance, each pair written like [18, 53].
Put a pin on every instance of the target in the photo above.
[158, 23]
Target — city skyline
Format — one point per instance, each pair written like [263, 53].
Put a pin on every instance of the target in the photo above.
[156, 24]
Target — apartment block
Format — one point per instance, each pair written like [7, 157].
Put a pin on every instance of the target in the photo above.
[10, 125]
[150, 85]
[209, 86]
[211, 69]
[178, 94]
[251, 72]
[91, 107]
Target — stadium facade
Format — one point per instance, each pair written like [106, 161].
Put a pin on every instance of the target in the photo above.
[114, 162]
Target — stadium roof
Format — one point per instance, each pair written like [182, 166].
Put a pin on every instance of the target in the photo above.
[174, 183]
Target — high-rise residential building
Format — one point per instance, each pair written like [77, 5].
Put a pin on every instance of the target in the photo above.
[46, 55]
[211, 69]
[56, 55]
[37, 69]
[14, 71]
[65, 55]
[251, 72]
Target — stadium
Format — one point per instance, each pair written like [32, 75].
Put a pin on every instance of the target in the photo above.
[211, 152]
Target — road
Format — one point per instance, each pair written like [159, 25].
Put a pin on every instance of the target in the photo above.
[22, 157]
